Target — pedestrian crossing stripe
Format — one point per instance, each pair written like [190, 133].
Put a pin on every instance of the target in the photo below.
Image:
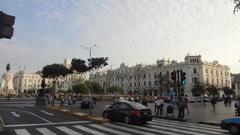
[189, 126]
[22, 132]
[45, 131]
[109, 130]
[155, 127]
[68, 131]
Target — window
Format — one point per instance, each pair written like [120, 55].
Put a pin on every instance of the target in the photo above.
[144, 76]
[167, 73]
[149, 75]
[124, 106]
[211, 71]
[144, 83]
[130, 77]
[134, 84]
[194, 70]
[206, 70]
[212, 81]
[149, 83]
[207, 81]
[130, 84]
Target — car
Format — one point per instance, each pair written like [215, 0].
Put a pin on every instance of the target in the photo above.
[194, 99]
[128, 112]
[232, 125]
[85, 103]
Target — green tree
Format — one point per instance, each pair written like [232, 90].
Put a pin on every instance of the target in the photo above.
[197, 90]
[80, 88]
[227, 91]
[56, 72]
[115, 89]
[213, 90]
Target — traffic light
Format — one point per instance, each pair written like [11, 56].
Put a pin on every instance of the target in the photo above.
[183, 78]
[6, 25]
[173, 75]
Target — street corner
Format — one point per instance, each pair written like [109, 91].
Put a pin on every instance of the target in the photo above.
[84, 116]
[1, 124]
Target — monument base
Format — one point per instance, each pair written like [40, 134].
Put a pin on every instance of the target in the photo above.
[41, 101]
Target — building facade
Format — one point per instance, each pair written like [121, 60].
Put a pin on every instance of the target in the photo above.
[145, 78]
[23, 81]
[236, 84]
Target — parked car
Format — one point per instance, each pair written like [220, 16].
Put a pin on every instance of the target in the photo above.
[128, 112]
[85, 103]
[232, 125]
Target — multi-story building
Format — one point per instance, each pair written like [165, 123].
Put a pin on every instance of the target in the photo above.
[236, 83]
[143, 78]
[23, 81]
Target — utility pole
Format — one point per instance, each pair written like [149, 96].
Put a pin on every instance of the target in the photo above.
[90, 88]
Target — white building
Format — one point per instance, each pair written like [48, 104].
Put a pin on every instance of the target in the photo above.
[23, 81]
[144, 78]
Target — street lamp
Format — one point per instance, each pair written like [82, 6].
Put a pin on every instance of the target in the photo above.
[90, 91]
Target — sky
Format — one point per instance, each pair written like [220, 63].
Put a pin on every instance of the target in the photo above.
[129, 31]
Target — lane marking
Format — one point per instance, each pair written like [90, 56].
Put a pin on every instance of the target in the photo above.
[15, 114]
[149, 129]
[68, 131]
[89, 130]
[51, 114]
[28, 113]
[129, 129]
[45, 131]
[42, 124]
[21, 132]
[195, 129]
[109, 129]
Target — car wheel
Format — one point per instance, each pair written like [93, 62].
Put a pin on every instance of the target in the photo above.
[126, 119]
[234, 129]
[105, 115]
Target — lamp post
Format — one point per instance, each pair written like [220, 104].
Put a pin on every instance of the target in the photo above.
[90, 89]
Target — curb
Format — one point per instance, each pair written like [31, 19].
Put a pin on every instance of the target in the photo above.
[84, 116]
[1, 124]
[209, 123]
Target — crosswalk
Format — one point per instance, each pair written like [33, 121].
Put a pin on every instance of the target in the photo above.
[155, 127]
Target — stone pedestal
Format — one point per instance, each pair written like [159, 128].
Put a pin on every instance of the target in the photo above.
[41, 99]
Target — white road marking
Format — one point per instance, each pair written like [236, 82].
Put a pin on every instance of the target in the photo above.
[21, 132]
[42, 124]
[15, 114]
[149, 129]
[51, 114]
[68, 131]
[89, 130]
[128, 129]
[45, 131]
[109, 129]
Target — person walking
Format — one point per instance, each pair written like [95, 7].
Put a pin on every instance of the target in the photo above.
[237, 107]
[213, 101]
[159, 103]
[181, 107]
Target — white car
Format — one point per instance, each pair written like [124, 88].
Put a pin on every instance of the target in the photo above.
[194, 99]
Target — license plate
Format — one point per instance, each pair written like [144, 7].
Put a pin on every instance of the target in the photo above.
[145, 113]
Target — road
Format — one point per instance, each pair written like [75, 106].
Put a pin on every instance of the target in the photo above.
[155, 127]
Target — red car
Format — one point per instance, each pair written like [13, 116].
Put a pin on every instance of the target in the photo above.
[128, 112]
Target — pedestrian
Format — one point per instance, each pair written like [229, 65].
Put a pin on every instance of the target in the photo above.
[229, 101]
[170, 109]
[62, 100]
[159, 103]
[74, 98]
[237, 107]
[69, 100]
[213, 101]
[144, 101]
[181, 107]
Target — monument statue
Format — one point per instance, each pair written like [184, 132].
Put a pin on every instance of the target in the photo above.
[7, 83]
